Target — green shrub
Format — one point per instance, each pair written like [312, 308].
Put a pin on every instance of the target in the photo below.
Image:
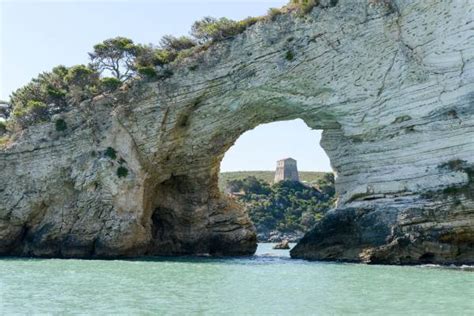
[82, 83]
[454, 164]
[303, 6]
[122, 172]
[150, 56]
[163, 57]
[34, 105]
[55, 92]
[273, 13]
[185, 54]
[212, 29]
[146, 56]
[37, 109]
[60, 125]
[52, 92]
[249, 21]
[81, 75]
[49, 88]
[147, 72]
[110, 84]
[33, 112]
[289, 55]
[172, 43]
[111, 153]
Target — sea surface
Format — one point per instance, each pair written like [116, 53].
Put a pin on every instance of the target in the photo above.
[270, 283]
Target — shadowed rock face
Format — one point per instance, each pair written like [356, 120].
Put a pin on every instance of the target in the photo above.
[392, 86]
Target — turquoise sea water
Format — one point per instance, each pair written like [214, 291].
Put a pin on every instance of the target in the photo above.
[267, 284]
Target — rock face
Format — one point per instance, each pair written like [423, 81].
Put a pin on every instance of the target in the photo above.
[390, 83]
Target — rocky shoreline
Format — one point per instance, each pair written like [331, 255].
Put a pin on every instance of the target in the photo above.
[276, 236]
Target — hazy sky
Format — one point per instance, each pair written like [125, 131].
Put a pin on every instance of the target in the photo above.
[37, 35]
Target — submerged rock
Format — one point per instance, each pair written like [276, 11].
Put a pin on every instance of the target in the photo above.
[390, 83]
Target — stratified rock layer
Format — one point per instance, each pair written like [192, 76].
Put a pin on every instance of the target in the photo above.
[391, 85]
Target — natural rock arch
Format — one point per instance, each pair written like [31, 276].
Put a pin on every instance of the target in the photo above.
[390, 86]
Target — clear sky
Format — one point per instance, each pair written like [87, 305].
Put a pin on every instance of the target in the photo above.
[37, 35]
[260, 148]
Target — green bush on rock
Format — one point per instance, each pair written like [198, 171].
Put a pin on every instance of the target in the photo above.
[122, 172]
[273, 13]
[51, 93]
[147, 72]
[110, 84]
[81, 75]
[303, 6]
[82, 83]
[210, 29]
[34, 111]
[111, 153]
[60, 125]
[172, 43]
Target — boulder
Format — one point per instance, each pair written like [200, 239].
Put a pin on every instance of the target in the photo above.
[284, 244]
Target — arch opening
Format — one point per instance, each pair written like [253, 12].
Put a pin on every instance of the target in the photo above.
[281, 177]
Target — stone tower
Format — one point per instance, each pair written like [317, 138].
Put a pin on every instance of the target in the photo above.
[286, 170]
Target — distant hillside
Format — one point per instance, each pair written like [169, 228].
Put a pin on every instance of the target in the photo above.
[284, 210]
[267, 176]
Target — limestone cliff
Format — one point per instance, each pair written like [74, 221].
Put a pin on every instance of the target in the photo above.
[390, 83]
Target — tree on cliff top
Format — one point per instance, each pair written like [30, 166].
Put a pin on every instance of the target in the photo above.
[116, 55]
[210, 29]
[50, 93]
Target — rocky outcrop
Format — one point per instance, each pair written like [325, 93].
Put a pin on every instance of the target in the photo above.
[284, 244]
[276, 236]
[135, 173]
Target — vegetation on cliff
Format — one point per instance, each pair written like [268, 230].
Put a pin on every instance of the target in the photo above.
[117, 61]
[286, 206]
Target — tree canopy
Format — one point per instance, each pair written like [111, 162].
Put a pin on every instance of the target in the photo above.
[115, 55]
[211, 29]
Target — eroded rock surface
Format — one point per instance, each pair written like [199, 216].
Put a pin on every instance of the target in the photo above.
[390, 83]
